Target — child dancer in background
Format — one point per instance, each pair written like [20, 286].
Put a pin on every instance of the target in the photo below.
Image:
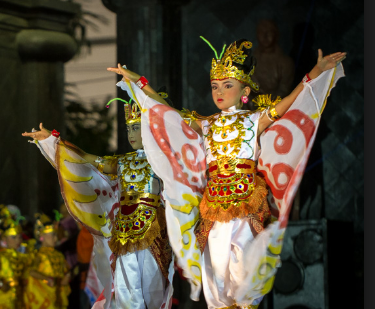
[118, 199]
[48, 283]
[13, 264]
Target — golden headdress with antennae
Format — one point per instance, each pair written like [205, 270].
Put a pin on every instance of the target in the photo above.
[43, 225]
[132, 113]
[225, 66]
[8, 226]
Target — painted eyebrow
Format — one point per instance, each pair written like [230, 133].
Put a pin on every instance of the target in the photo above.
[132, 126]
[226, 82]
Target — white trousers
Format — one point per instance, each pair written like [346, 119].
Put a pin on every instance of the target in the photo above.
[223, 263]
[138, 281]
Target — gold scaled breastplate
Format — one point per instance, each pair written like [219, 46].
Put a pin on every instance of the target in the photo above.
[140, 218]
[132, 227]
[136, 173]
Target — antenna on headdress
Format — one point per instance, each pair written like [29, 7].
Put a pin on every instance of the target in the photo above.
[222, 52]
[118, 99]
[58, 215]
[126, 102]
[209, 44]
[122, 100]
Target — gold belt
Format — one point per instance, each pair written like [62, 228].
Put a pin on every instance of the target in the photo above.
[227, 166]
[137, 198]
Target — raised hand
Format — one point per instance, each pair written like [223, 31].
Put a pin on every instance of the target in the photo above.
[330, 61]
[38, 135]
[127, 74]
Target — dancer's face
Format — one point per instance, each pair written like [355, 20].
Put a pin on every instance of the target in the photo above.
[13, 242]
[134, 135]
[227, 93]
[48, 239]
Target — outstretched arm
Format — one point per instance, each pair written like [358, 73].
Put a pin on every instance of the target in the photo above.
[149, 91]
[134, 77]
[323, 64]
[108, 166]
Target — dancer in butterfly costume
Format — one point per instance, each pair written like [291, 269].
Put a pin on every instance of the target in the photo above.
[227, 230]
[48, 282]
[117, 198]
[14, 265]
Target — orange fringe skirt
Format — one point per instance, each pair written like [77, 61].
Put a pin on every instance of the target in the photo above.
[251, 203]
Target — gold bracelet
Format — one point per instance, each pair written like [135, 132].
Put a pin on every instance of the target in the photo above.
[100, 162]
[101, 167]
[273, 114]
[269, 115]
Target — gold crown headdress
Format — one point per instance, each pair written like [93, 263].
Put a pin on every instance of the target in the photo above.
[224, 66]
[132, 110]
[9, 226]
[132, 113]
[43, 225]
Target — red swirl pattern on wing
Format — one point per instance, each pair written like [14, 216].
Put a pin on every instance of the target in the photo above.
[192, 163]
[283, 172]
[278, 187]
[284, 139]
[189, 132]
[303, 122]
[158, 130]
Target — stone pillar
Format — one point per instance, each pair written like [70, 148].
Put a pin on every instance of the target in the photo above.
[35, 42]
[149, 43]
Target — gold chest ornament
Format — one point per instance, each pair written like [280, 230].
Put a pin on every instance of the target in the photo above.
[137, 223]
[136, 172]
[220, 126]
